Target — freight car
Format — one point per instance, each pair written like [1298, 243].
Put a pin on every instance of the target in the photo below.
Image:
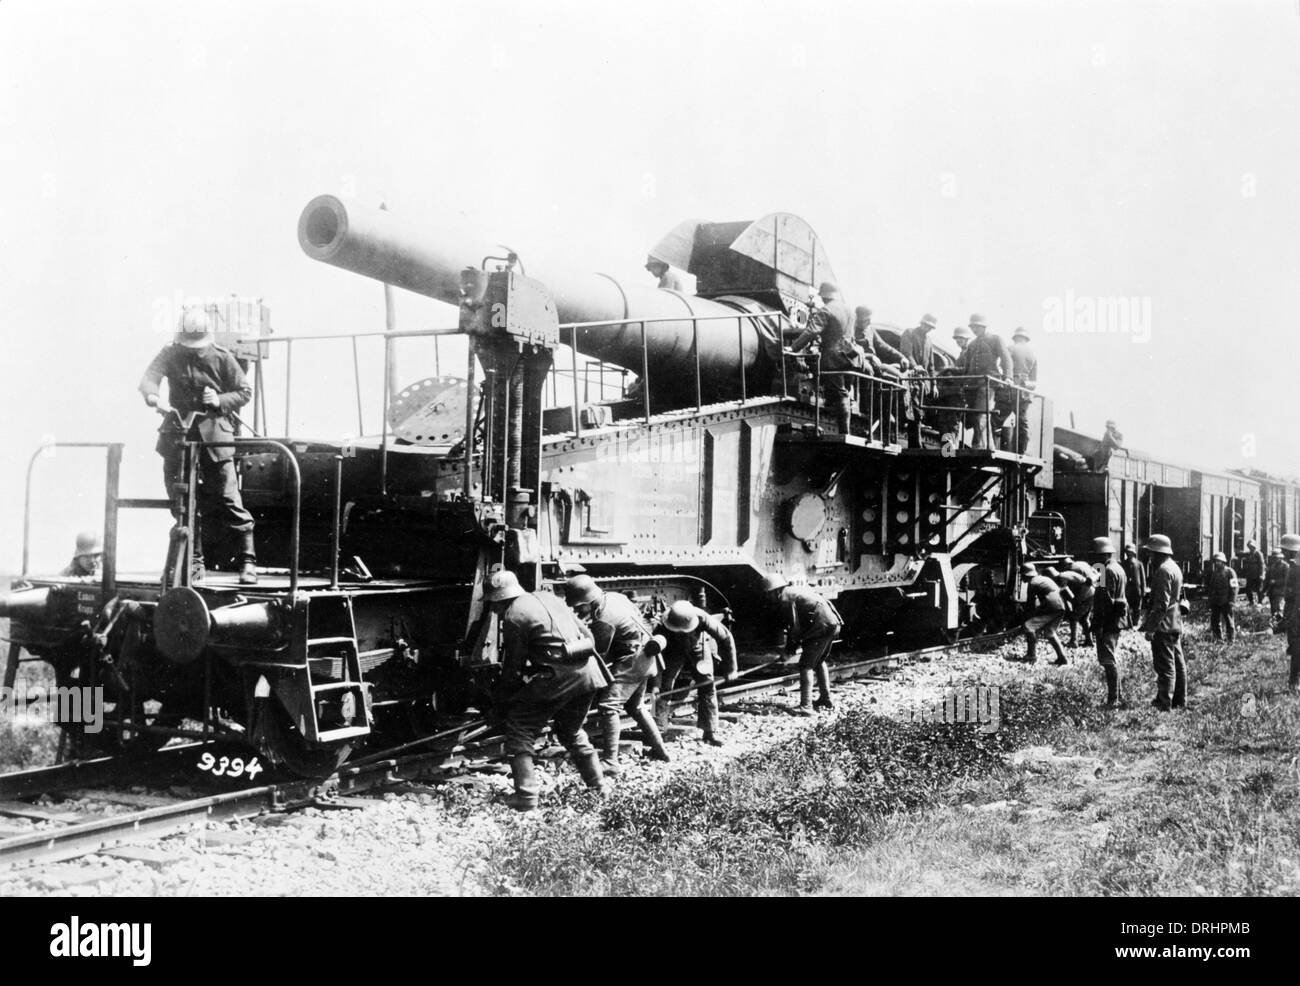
[716, 466]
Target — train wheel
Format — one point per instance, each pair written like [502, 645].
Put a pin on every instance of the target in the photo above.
[282, 745]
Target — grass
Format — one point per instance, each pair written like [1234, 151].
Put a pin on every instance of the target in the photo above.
[1129, 803]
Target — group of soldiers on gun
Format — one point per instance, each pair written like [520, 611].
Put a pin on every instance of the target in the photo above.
[1109, 597]
[987, 389]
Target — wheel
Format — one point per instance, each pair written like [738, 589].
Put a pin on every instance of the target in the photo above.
[280, 742]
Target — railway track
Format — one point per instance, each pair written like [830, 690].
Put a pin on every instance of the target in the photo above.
[69, 836]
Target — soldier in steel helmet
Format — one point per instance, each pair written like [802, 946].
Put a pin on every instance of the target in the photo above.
[1109, 613]
[204, 379]
[1024, 374]
[811, 622]
[1163, 625]
[1136, 589]
[685, 627]
[1275, 583]
[88, 556]
[1221, 594]
[1047, 609]
[623, 640]
[1291, 552]
[1253, 567]
[986, 356]
[549, 671]
[830, 326]
[669, 279]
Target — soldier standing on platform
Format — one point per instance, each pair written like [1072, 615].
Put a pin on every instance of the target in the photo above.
[986, 356]
[1024, 374]
[829, 325]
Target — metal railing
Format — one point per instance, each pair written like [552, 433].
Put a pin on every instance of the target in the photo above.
[951, 404]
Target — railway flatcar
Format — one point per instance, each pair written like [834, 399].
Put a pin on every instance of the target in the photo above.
[716, 467]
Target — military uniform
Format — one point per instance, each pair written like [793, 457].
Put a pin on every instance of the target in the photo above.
[689, 654]
[1024, 373]
[1292, 597]
[670, 280]
[1111, 441]
[1135, 588]
[188, 371]
[620, 636]
[812, 623]
[986, 356]
[1252, 571]
[1221, 593]
[830, 326]
[1048, 609]
[1275, 584]
[1109, 612]
[1164, 621]
[1078, 588]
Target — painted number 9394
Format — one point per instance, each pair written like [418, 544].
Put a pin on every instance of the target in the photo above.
[228, 767]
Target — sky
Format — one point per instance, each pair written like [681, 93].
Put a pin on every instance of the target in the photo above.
[1028, 161]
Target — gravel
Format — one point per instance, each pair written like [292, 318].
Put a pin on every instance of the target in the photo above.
[431, 840]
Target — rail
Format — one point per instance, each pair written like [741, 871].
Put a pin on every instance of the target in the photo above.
[954, 403]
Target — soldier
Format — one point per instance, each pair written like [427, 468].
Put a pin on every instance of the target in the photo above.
[88, 557]
[1221, 593]
[543, 678]
[1163, 626]
[916, 346]
[1275, 583]
[1078, 587]
[624, 643]
[961, 336]
[1112, 441]
[1136, 587]
[1024, 373]
[869, 340]
[811, 621]
[830, 326]
[669, 279]
[1291, 552]
[203, 378]
[684, 627]
[1047, 609]
[1110, 609]
[1252, 571]
[986, 356]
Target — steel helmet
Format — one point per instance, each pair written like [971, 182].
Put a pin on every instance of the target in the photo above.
[1159, 544]
[1130, 550]
[581, 589]
[1276, 551]
[1251, 544]
[929, 320]
[1102, 546]
[195, 329]
[862, 311]
[961, 332]
[978, 320]
[774, 581]
[682, 617]
[88, 543]
[501, 586]
[1052, 572]
[653, 261]
[1028, 570]
[1291, 542]
[1020, 333]
[827, 289]
[1219, 556]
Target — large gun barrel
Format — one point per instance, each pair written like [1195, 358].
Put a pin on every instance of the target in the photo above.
[381, 245]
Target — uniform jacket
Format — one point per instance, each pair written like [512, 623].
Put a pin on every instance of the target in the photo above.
[871, 342]
[915, 344]
[1221, 586]
[1024, 364]
[1137, 578]
[1076, 587]
[1293, 591]
[806, 614]
[620, 632]
[187, 372]
[986, 356]
[688, 648]
[1111, 602]
[1252, 564]
[534, 630]
[1044, 596]
[830, 326]
[1163, 615]
[671, 281]
[1275, 580]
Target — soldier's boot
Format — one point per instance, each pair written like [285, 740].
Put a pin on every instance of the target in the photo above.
[844, 417]
[526, 784]
[588, 765]
[650, 736]
[1112, 687]
[805, 693]
[707, 713]
[609, 734]
[1060, 651]
[247, 559]
[663, 710]
[824, 700]
[1008, 438]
